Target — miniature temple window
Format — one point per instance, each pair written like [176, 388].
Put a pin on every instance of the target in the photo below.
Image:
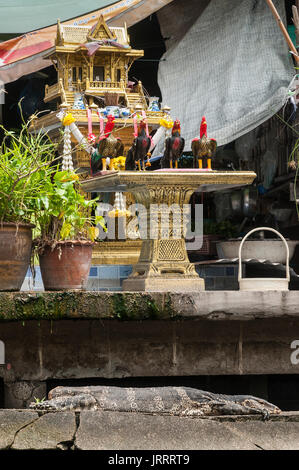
[77, 74]
[118, 75]
[98, 74]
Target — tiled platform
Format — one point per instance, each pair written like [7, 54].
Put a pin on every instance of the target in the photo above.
[219, 276]
[101, 278]
[110, 277]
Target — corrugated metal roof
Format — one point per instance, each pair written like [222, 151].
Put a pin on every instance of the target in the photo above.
[19, 16]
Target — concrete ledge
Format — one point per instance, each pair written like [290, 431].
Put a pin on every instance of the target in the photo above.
[207, 305]
[96, 430]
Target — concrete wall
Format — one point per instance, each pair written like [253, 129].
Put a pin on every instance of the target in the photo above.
[39, 351]
[92, 336]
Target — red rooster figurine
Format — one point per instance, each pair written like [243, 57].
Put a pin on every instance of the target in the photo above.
[203, 147]
[174, 147]
[108, 146]
[139, 150]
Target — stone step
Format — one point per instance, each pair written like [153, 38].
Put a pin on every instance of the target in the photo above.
[104, 430]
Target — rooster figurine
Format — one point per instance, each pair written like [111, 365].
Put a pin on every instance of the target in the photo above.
[203, 147]
[174, 147]
[139, 150]
[107, 147]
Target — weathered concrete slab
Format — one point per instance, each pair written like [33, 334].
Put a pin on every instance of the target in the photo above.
[235, 305]
[49, 431]
[11, 421]
[208, 305]
[95, 430]
[279, 435]
[132, 431]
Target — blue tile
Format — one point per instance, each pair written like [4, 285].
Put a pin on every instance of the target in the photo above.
[209, 283]
[230, 271]
[93, 271]
[215, 271]
[125, 270]
[200, 271]
[108, 272]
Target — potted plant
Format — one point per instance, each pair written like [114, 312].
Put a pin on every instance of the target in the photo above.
[25, 163]
[67, 231]
[213, 232]
[210, 236]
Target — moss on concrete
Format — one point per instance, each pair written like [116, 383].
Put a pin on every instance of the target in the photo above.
[91, 305]
[205, 305]
[126, 307]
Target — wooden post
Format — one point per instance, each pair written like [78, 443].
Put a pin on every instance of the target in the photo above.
[295, 10]
[283, 30]
[296, 20]
[62, 91]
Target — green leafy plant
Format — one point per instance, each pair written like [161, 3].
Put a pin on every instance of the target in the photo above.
[225, 228]
[34, 190]
[63, 212]
[25, 165]
[39, 400]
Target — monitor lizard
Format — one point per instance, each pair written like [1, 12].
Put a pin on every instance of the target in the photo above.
[179, 401]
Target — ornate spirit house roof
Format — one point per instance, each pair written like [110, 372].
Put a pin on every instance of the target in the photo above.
[93, 67]
[69, 36]
[94, 62]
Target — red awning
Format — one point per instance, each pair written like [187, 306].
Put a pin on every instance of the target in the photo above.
[24, 54]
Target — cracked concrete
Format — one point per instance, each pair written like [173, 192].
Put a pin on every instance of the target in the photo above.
[48, 431]
[102, 430]
[11, 422]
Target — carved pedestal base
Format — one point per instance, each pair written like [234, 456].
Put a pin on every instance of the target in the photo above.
[163, 265]
[163, 284]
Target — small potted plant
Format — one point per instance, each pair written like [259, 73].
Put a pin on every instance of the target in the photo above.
[67, 231]
[213, 232]
[25, 163]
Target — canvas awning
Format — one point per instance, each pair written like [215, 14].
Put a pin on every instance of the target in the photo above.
[19, 16]
[24, 54]
[225, 60]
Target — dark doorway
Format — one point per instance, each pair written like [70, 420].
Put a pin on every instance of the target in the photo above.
[98, 74]
[146, 35]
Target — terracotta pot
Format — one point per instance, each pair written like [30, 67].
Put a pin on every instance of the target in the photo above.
[15, 252]
[67, 266]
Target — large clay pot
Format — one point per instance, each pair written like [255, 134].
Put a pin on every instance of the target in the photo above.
[67, 266]
[15, 252]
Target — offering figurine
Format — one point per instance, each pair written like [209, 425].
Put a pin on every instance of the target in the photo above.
[203, 147]
[174, 147]
[139, 150]
[107, 147]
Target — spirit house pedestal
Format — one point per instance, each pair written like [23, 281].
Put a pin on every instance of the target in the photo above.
[163, 264]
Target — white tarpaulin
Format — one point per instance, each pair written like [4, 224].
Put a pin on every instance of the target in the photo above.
[232, 65]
